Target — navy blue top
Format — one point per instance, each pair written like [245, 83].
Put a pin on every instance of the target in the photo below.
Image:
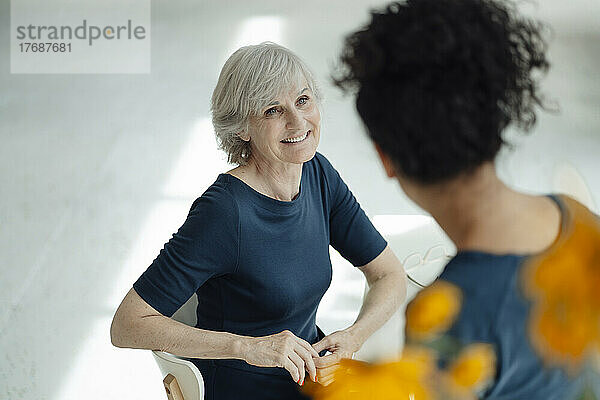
[495, 311]
[260, 265]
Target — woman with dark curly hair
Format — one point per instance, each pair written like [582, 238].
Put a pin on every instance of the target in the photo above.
[437, 83]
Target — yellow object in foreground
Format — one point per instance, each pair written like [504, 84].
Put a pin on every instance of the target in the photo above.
[402, 380]
[473, 370]
[432, 311]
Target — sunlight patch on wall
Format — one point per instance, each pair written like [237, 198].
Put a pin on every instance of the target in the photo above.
[258, 29]
[163, 220]
[101, 368]
[198, 165]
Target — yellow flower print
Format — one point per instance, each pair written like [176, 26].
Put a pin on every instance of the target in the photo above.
[473, 370]
[432, 311]
[564, 285]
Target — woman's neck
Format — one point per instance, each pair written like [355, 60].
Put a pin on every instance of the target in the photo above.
[278, 181]
[479, 212]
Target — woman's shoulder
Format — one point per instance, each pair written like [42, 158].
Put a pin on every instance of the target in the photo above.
[321, 172]
[217, 199]
[321, 167]
[320, 161]
[572, 208]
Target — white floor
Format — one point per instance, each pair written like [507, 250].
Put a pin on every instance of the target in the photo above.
[97, 171]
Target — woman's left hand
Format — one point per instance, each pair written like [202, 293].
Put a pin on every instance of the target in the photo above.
[341, 344]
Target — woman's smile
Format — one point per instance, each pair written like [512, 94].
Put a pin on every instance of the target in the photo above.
[296, 139]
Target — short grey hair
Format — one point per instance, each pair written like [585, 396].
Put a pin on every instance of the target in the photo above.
[252, 78]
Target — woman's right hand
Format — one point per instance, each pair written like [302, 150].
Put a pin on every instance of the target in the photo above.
[285, 350]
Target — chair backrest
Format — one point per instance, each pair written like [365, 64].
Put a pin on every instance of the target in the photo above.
[411, 237]
[420, 244]
[187, 374]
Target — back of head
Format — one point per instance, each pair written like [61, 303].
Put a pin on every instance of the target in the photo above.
[438, 81]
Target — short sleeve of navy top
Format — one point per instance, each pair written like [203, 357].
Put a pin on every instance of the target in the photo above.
[259, 265]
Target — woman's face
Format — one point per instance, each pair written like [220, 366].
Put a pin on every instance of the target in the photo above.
[287, 130]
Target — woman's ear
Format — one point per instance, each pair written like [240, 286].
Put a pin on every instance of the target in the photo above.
[387, 163]
[244, 136]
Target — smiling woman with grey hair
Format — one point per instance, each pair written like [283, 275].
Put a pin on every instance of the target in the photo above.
[251, 78]
[255, 246]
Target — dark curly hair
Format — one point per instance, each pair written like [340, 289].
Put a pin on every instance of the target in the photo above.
[438, 81]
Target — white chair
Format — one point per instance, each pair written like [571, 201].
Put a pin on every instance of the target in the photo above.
[424, 249]
[181, 378]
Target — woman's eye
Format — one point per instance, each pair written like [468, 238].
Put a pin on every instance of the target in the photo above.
[271, 111]
[302, 100]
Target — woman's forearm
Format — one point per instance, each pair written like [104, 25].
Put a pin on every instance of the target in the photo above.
[383, 299]
[136, 325]
[164, 334]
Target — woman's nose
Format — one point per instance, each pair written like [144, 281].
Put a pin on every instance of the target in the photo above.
[294, 120]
